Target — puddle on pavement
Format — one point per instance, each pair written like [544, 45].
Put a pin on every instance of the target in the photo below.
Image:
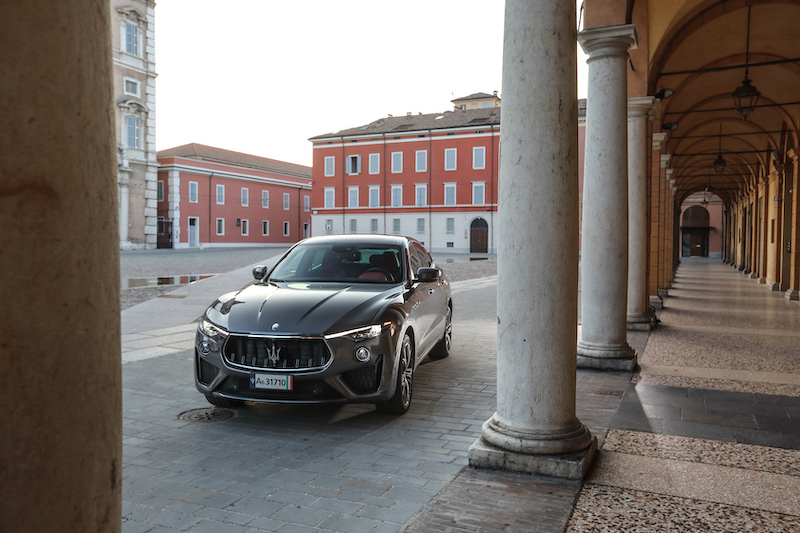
[137, 283]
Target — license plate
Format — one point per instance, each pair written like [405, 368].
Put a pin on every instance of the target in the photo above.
[271, 382]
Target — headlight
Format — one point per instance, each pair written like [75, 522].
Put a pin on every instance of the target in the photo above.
[212, 331]
[362, 334]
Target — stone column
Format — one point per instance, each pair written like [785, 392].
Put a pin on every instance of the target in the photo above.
[656, 215]
[639, 315]
[604, 256]
[61, 441]
[793, 235]
[535, 429]
[174, 206]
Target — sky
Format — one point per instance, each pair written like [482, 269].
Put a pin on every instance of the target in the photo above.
[263, 76]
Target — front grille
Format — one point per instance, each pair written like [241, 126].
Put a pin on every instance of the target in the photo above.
[276, 353]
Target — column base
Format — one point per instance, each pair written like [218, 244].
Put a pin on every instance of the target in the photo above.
[775, 286]
[792, 294]
[663, 293]
[641, 321]
[762, 280]
[604, 357]
[656, 302]
[753, 275]
[567, 465]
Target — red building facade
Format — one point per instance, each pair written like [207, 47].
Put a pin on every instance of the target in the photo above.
[432, 177]
[209, 197]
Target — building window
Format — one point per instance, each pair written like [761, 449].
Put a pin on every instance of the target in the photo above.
[160, 225]
[396, 225]
[397, 162]
[353, 164]
[420, 225]
[373, 225]
[132, 39]
[330, 195]
[193, 192]
[265, 199]
[133, 132]
[421, 195]
[245, 227]
[330, 166]
[220, 226]
[160, 191]
[353, 225]
[422, 161]
[451, 225]
[220, 194]
[285, 229]
[352, 196]
[397, 195]
[374, 196]
[286, 201]
[450, 245]
[245, 196]
[265, 227]
[478, 193]
[450, 159]
[478, 158]
[132, 88]
[306, 203]
[449, 194]
[329, 226]
[374, 163]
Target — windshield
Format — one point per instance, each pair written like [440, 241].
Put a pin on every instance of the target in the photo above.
[350, 263]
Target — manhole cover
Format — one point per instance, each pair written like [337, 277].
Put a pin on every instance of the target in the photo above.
[207, 415]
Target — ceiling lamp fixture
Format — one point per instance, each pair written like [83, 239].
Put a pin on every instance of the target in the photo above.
[746, 96]
[719, 162]
[665, 93]
[669, 126]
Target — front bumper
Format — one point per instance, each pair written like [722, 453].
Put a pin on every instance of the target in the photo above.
[337, 376]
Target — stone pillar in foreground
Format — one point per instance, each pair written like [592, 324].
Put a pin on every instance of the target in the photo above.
[640, 317]
[535, 429]
[604, 256]
[61, 438]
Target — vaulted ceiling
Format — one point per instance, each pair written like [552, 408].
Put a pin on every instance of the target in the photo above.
[701, 51]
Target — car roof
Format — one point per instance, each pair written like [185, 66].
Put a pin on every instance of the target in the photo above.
[358, 239]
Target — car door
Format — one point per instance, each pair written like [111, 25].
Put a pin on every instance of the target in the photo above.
[430, 311]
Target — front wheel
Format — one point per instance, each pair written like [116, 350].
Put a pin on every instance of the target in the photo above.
[401, 401]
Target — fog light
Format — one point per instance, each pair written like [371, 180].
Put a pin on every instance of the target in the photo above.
[363, 354]
[205, 348]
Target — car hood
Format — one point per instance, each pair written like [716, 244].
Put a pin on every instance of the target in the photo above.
[301, 308]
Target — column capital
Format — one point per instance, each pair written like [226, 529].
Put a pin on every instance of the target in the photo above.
[665, 160]
[639, 106]
[609, 40]
[669, 172]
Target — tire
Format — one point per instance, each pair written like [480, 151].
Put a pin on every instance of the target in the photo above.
[401, 401]
[223, 402]
[442, 348]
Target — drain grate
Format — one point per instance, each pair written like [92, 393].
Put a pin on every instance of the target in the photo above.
[207, 415]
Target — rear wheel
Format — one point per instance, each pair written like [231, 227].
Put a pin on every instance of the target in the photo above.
[223, 402]
[401, 401]
[442, 348]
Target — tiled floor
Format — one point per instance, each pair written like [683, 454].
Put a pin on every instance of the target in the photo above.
[706, 437]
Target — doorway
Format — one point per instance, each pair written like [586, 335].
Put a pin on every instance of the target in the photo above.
[479, 236]
[193, 225]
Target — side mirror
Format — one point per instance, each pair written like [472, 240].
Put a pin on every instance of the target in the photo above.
[259, 272]
[427, 274]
